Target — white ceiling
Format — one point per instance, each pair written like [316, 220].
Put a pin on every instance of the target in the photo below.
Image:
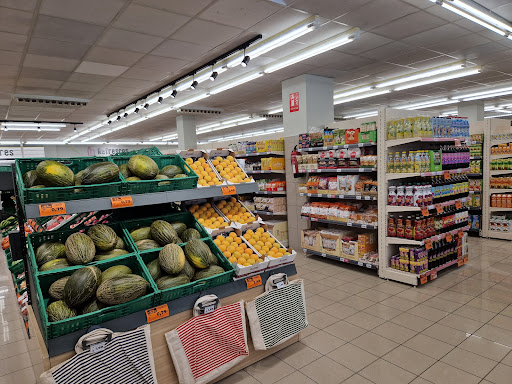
[113, 51]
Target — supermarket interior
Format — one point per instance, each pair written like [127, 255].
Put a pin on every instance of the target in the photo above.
[256, 191]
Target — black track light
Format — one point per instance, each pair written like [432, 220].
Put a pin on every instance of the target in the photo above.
[160, 99]
[74, 128]
[136, 111]
[109, 122]
[194, 85]
[245, 61]
[118, 118]
[146, 106]
[213, 76]
[38, 129]
[174, 93]
[125, 115]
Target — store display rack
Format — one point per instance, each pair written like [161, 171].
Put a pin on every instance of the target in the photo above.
[339, 197]
[278, 193]
[344, 223]
[334, 147]
[339, 170]
[342, 259]
[270, 153]
[265, 171]
[268, 213]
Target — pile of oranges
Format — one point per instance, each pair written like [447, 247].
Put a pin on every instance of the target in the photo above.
[264, 243]
[207, 216]
[207, 176]
[230, 170]
[236, 251]
[234, 211]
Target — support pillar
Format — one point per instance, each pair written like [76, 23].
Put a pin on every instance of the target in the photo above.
[473, 110]
[307, 104]
[187, 137]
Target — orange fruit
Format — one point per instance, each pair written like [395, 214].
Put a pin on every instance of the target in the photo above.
[232, 259]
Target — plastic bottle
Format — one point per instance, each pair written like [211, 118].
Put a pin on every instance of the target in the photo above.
[410, 162]
[409, 196]
[407, 128]
[391, 163]
[396, 163]
[403, 162]
[392, 195]
[400, 195]
[417, 161]
[399, 129]
[418, 196]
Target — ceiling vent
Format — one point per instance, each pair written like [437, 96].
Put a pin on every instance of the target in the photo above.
[51, 100]
[200, 111]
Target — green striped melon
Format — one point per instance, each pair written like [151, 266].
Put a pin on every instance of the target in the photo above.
[125, 171]
[103, 237]
[172, 259]
[171, 171]
[212, 270]
[116, 270]
[51, 173]
[30, 179]
[79, 248]
[122, 289]
[92, 305]
[81, 286]
[133, 178]
[142, 233]
[48, 251]
[100, 173]
[56, 290]
[163, 233]
[189, 234]
[59, 310]
[179, 227]
[198, 253]
[188, 270]
[154, 269]
[120, 244]
[144, 245]
[110, 254]
[143, 166]
[54, 264]
[166, 282]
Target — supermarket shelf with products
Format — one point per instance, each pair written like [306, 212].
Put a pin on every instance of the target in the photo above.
[342, 259]
[338, 170]
[339, 146]
[401, 240]
[399, 208]
[282, 171]
[268, 213]
[269, 153]
[397, 142]
[279, 193]
[479, 174]
[341, 197]
[394, 176]
[344, 223]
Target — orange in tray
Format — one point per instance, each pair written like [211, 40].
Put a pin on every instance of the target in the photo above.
[206, 175]
[234, 211]
[264, 243]
[229, 169]
[206, 216]
[235, 250]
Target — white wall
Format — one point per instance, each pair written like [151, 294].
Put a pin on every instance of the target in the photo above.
[225, 143]
[64, 151]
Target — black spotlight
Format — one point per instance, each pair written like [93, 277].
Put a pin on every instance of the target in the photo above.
[118, 118]
[146, 106]
[213, 76]
[136, 110]
[38, 129]
[174, 93]
[74, 129]
[160, 99]
[245, 61]
[125, 115]
[193, 85]
[109, 122]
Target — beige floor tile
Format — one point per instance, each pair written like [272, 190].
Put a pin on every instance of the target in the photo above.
[240, 377]
[507, 311]
[345, 331]
[461, 323]
[315, 288]
[357, 302]
[321, 319]
[382, 311]
[269, 370]
[428, 346]
[485, 348]
[498, 335]
[13, 349]
[296, 378]
[326, 371]
[467, 361]
[501, 321]
[318, 302]
[457, 297]
[383, 372]
[412, 322]
[308, 331]
[488, 305]
[420, 380]
[507, 360]
[357, 379]
[25, 376]
[365, 320]
[322, 342]
[391, 288]
[352, 288]
[442, 304]
[15, 363]
[409, 359]
[374, 295]
[394, 332]
[473, 313]
[497, 294]
[413, 295]
[335, 295]
[352, 357]
[333, 282]
[339, 310]
[429, 313]
[298, 355]
[441, 373]
[398, 303]
[501, 374]
[375, 344]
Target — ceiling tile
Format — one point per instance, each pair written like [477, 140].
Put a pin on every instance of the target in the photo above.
[366, 42]
[67, 30]
[239, 13]
[47, 62]
[459, 43]
[84, 87]
[377, 68]
[129, 41]
[43, 83]
[495, 57]
[112, 56]
[12, 42]
[427, 38]
[376, 13]
[100, 69]
[279, 21]
[35, 91]
[338, 60]
[413, 57]
[90, 79]
[469, 25]
[15, 21]
[99, 12]
[131, 83]
[505, 11]
[45, 47]
[443, 13]
[24, 5]
[420, 4]
[206, 33]
[75, 93]
[10, 58]
[189, 8]
[389, 50]
[8, 71]
[151, 21]
[330, 9]
[180, 49]
[161, 64]
[478, 51]
[143, 74]
[409, 25]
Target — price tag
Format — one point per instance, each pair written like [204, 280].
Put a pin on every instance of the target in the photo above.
[349, 224]
[52, 209]
[121, 201]
[446, 175]
[341, 196]
[466, 259]
[280, 284]
[360, 263]
[448, 237]
[157, 313]
[424, 211]
[360, 145]
[253, 281]
[367, 197]
[439, 209]
[346, 260]
[460, 262]
[209, 309]
[428, 244]
[363, 225]
[323, 255]
[368, 265]
[458, 205]
[461, 235]
[98, 347]
[433, 275]
[229, 190]
[423, 279]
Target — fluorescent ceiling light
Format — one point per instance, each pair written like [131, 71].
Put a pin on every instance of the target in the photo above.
[483, 93]
[473, 18]
[190, 100]
[229, 124]
[275, 111]
[88, 143]
[361, 114]
[253, 120]
[427, 104]
[359, 97]
[9, 142]
[158, 112]
[235, 82]
[8, 128]
[316, 49]
[450, 113]
[40, 142]
[354, 91]
[454, 75]
[20, 124]
[489, 95]
[486, 16]
[420, 75]
[491, 117]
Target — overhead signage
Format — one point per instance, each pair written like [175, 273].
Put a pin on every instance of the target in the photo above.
[105, 151]
[294, 102]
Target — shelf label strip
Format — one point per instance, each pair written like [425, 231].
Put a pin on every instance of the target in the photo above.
[229, 190]
[52, 209]
[157, 313]
[121, 201]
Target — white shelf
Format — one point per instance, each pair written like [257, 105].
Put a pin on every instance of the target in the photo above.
[492, 190]
[500, 172]
[400, 208]
[497, 209]
[340, 146]
[500, 235]
[338, 170]
[282, 171]
[506, 156]
[395, 176]
[346, 197]
[275, 153]
[402, 241]
[498, 142]
[394, 143]
[278, 193]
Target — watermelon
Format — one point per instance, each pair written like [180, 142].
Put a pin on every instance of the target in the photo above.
[179, 227]
[188, 270]
[92, 305]
[30, 179]
[141, 234]
[122, 289]
[116, 270]
[198, 253]
[59, 310]
[48, 251]
[54, 264]
[172, 259]
[103, 237]
[100, 173]
[166, 282]
[54, 174]
[120, 244]
[110, 254]
[81, 286]
[171, 170]
[143, 245]
[163, 233]
[143, 167]
[56, 290]
[80, 248]
[125, 171]
[212, 270]
[154, 269]
[189, 234]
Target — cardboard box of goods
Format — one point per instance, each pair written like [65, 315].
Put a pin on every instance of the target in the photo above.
[331, 243]
[276, 163]
[350, 250]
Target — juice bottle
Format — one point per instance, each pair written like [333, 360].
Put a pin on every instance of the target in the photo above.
[400, 230]
[408, 231]
[391, 163]
[409, 196]
[400, 195]
[396, 163]
[407, 128]
[403, 162]
[391, 130]
[392, 195]
[399, 129]
[391, 226]
[410, 162]
[417, 161]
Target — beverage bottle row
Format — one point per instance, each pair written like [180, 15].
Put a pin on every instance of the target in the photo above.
[408, 162]
[455, 156]
[442, 252]
[410, 195]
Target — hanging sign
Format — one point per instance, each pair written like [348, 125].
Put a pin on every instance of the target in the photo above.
[294, 102]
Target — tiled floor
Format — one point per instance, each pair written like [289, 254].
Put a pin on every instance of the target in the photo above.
[456, 329]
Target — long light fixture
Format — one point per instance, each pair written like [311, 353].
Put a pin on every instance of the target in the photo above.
[9, 128]
[235, 82]
[22, 124]
[491, 117]
[427, 104]
[487, 96]
[229, 124]
[361, 115]
[420, 75]
[484, 94]
[437, 79]
[342, 100]
[275, 111]
[244, 135]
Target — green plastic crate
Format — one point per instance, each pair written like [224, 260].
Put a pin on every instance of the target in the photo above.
[150, 186]
[17, 267]
[185, 217]
[34, 240]
[52, 194]
[5, 168]
[194, 286]
[151, 151]
[52, 330]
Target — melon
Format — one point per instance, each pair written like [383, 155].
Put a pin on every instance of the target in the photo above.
[125, 171]
[122, 289]
[172, 259]
[81, 286]
[103, 237]
[110, 254]
[166, 282]
[56, 290]
[143, 245]
[179, 176]
[189, 234]
[154, 269]
[198, 253]
[163, 233]
[141, 234]
[143, 167]
[51, 173]
[80, 248]
[188, 270]
[179, 227]
[92, 305]
[133, 178]
[100, 173]
[54, 264]
[212, 270]
[171, 171]
[116, 270]
[48, 251]
[59, 310]
[120, 244]
[30, 179]
[78, 178]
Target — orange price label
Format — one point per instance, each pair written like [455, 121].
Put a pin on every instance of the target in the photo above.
[433, 275]
[428, 244]
[458, 205]
[460, 262]
[121, 201]
[449, 237]
[52, 209]
[466, 259]
[439, 209]
[157, 313]
[423, 279]
[446, 175]
[461, 235]
[424, 211]
[253, 281]
[229, 190]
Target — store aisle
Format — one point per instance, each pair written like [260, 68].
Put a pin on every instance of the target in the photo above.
[456, 329]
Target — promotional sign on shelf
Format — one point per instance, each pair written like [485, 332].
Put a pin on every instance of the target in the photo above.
[294, 102]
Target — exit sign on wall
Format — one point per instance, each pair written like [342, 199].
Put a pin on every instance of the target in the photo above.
[294, 102]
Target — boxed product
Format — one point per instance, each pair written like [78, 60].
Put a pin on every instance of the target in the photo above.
[339, 136]
[316, 139]
[347, 184]
[279, 229]
[328, 185]
[328, 137]
[310, 239]
[352, 136]
[350, 250]
[276, 163]
[367, 242]
[331, 241]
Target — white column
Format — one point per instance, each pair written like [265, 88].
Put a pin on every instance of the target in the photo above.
[187, 138]
[473, 110]
[307, 103]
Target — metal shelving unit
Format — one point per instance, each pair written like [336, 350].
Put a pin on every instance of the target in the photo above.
[342, 259]
[339, 170]
[343, 223]
[340, 197]
[281, 171]
[271, 153]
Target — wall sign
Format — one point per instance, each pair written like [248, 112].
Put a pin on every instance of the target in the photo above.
[10, 153]
[105, 151]
[294, 102]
